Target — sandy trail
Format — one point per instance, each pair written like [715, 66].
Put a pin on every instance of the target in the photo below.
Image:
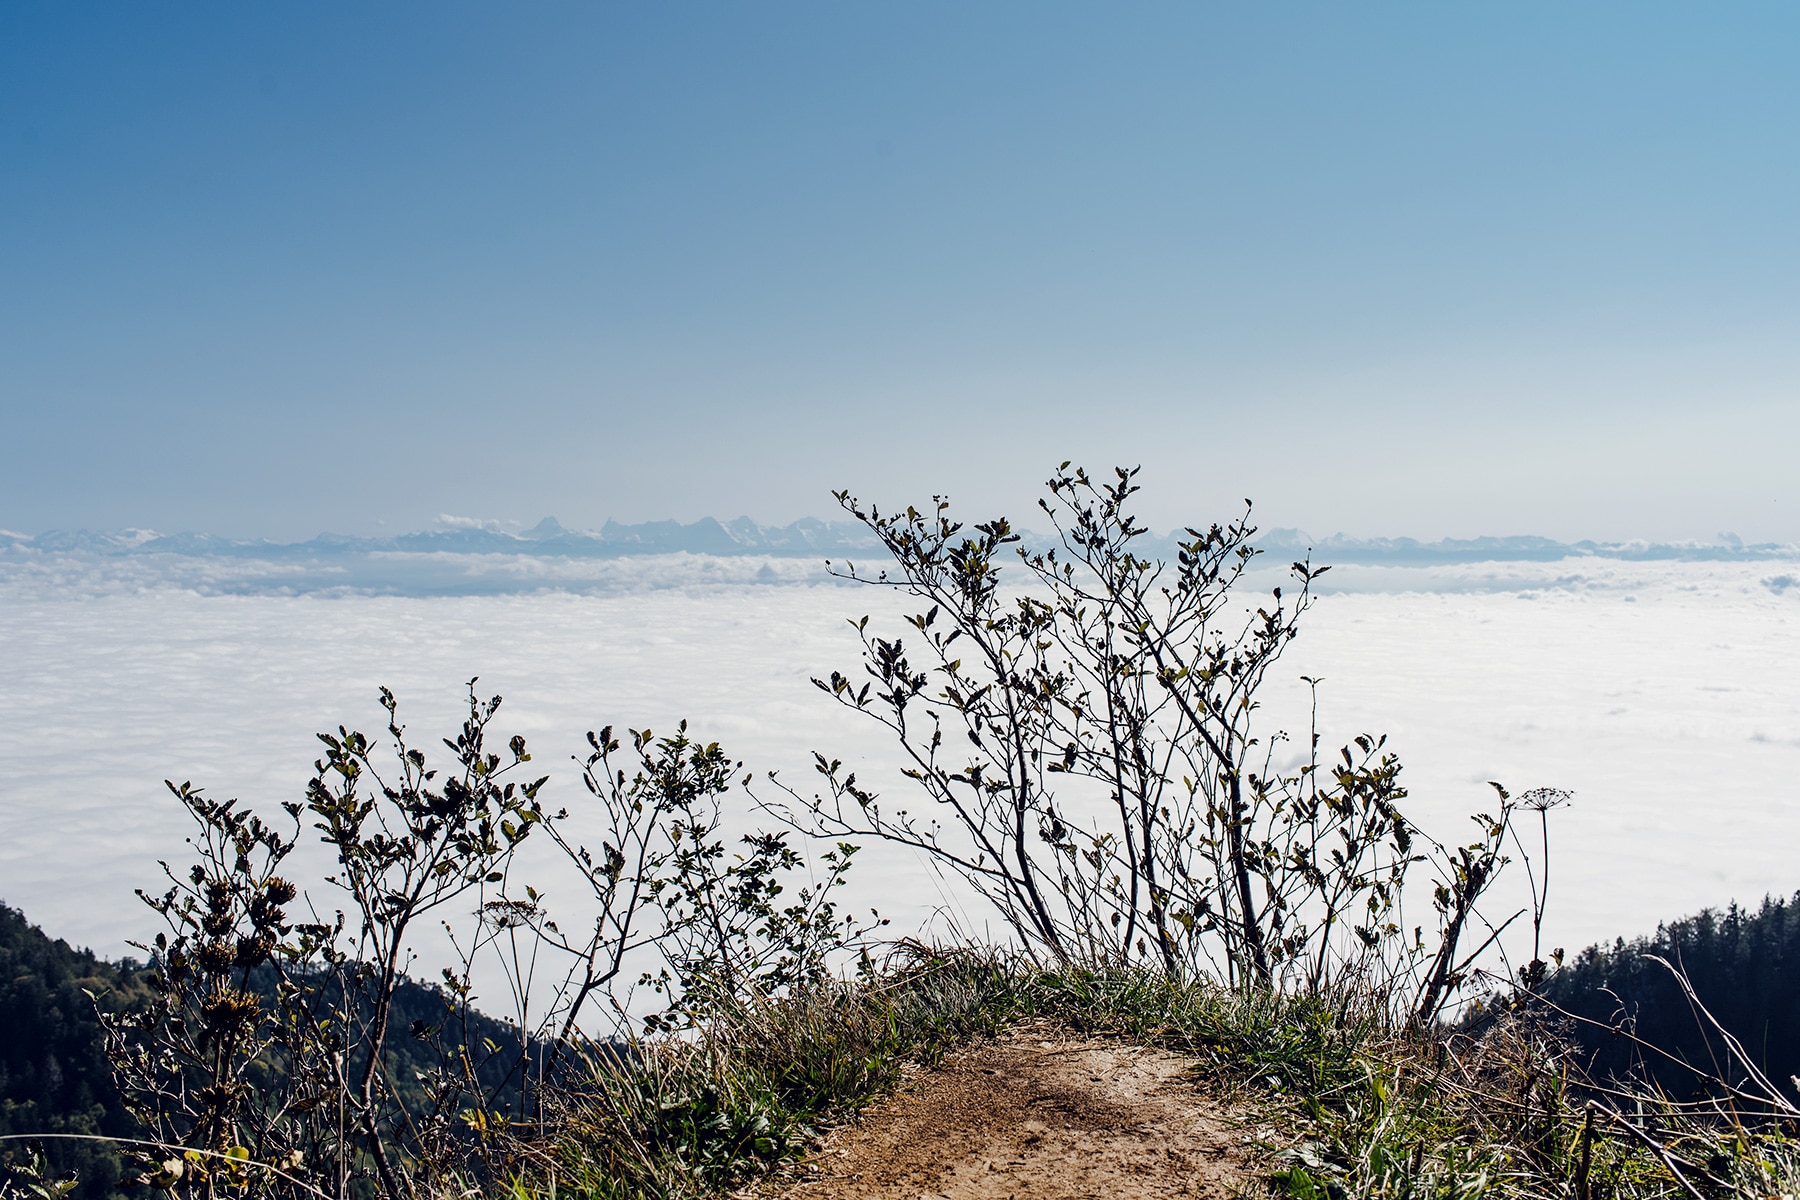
[1043, 1115]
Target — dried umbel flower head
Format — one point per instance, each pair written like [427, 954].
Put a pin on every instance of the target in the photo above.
[1545, 798]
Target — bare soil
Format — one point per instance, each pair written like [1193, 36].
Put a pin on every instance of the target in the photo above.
[1043, 1115]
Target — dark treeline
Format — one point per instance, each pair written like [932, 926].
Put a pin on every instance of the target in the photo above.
[54, 1076]
[1745, 968]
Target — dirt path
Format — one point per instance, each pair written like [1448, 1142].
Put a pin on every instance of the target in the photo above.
[1037, 1115]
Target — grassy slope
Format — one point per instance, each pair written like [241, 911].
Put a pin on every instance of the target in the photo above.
[1346, 1107]
[1353, 1109]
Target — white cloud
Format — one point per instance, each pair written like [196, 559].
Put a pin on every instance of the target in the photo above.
[1643, 687]
[491, 525]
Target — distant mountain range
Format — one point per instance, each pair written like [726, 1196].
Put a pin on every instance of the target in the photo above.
[1410, 552]
[807, 538]
[812, 538]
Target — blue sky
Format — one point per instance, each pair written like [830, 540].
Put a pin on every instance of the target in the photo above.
[1387, 269]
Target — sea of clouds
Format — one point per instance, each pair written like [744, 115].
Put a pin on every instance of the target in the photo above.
[1661, 690]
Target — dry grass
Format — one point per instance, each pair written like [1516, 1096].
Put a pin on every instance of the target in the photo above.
[1349, 1106]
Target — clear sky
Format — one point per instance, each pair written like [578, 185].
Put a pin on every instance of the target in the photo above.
[1388, 269]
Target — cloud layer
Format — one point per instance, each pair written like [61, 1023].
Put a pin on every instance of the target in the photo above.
[1662, 693]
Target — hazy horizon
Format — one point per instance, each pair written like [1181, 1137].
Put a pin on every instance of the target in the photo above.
[525, 529]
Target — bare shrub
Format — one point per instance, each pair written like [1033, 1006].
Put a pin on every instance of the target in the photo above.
[297, 1056]
[1091, 747]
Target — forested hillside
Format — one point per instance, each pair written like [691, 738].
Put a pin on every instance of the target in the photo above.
[53, 1073]
[1745, 968]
